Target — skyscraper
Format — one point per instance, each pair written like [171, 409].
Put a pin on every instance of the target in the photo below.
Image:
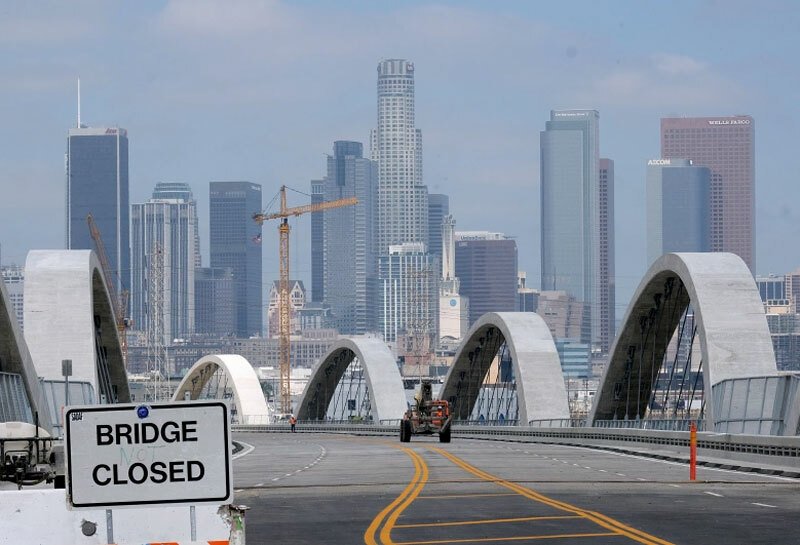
[726, 145]
[14, 278]
[486, 266]
[214, 299]
[350, 265]
[397, 148]
[235, 242]
[607, 256]
[409, 292]
[438, 208]
[317, 243]
[570, 218]
[678, 202]
[97, 184]
[168, 221]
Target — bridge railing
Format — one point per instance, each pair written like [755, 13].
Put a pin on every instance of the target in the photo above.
[665, 424]
[778, 451]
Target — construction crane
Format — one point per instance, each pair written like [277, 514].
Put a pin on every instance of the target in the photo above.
[119, 302]
[283, 299]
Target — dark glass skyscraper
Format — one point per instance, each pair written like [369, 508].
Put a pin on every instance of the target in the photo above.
[97, 184]
[438, 208]
[235, 242]
[678, 207]
[486, 265]
[350, 263]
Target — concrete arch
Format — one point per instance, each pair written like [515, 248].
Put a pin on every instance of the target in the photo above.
[731, 325]
[387, 395]
[66, 303]
[541, 393]
[15, 358]
[251, 407]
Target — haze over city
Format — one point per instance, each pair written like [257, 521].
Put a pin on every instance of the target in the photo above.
[259, 91]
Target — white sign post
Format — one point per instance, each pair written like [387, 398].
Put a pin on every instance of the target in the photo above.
[133, 455]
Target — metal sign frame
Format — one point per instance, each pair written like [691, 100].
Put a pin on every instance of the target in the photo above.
[140, 413]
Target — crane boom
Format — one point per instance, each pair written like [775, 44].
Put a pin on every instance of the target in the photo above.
[118, 302]
[283, 299]
[298, 210]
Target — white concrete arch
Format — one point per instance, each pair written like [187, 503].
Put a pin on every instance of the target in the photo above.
[15, 358]
[541, 394]
[66, 304]
[251, 407]
[731, 325]
[387, 395]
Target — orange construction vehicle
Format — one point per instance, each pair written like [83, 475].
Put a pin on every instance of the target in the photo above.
[427, 416]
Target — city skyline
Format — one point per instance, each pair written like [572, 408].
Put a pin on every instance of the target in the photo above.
[224, 123]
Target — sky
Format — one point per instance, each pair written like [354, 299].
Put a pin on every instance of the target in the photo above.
[260, 90]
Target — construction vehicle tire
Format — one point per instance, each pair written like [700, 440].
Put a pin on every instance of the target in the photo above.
[444, 435]
[405, 431]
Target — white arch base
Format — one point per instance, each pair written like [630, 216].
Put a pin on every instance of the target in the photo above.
[387, 396]
[65, 298]
[251, 407]
[734, 338]
[541, 393]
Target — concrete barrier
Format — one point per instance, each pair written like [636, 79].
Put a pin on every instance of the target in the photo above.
[41, 516]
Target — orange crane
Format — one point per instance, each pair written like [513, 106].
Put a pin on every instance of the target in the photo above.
[120, 303]
[283, 299]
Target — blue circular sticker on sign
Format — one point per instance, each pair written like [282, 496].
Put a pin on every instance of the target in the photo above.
[142, 411]
[453, 302]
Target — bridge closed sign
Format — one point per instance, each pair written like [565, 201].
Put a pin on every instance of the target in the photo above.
[132, 455]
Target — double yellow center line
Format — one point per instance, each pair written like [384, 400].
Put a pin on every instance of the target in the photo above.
[387, 519]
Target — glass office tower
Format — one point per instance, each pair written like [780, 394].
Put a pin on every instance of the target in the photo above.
[350, 264]
[235, 242]
[97, 184]
[169, 220]
[678, 205]
[570, 216]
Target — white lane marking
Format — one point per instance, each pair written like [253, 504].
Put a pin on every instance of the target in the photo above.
[675, 485]
[713, 494]
[764, 505]
[621, 474]
[260, 484]
[686, 464]
[576, 465]
[245, 451]
[586, 467]
[602, 471]
[640, 479]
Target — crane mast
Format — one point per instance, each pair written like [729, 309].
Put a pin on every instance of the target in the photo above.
[283, 285]
[119, 302]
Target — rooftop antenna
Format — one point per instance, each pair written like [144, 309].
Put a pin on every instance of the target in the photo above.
[79, 102]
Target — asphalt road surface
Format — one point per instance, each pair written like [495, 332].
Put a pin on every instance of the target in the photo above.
[327, 489]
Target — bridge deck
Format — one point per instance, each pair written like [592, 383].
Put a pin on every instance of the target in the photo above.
[315, 488]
